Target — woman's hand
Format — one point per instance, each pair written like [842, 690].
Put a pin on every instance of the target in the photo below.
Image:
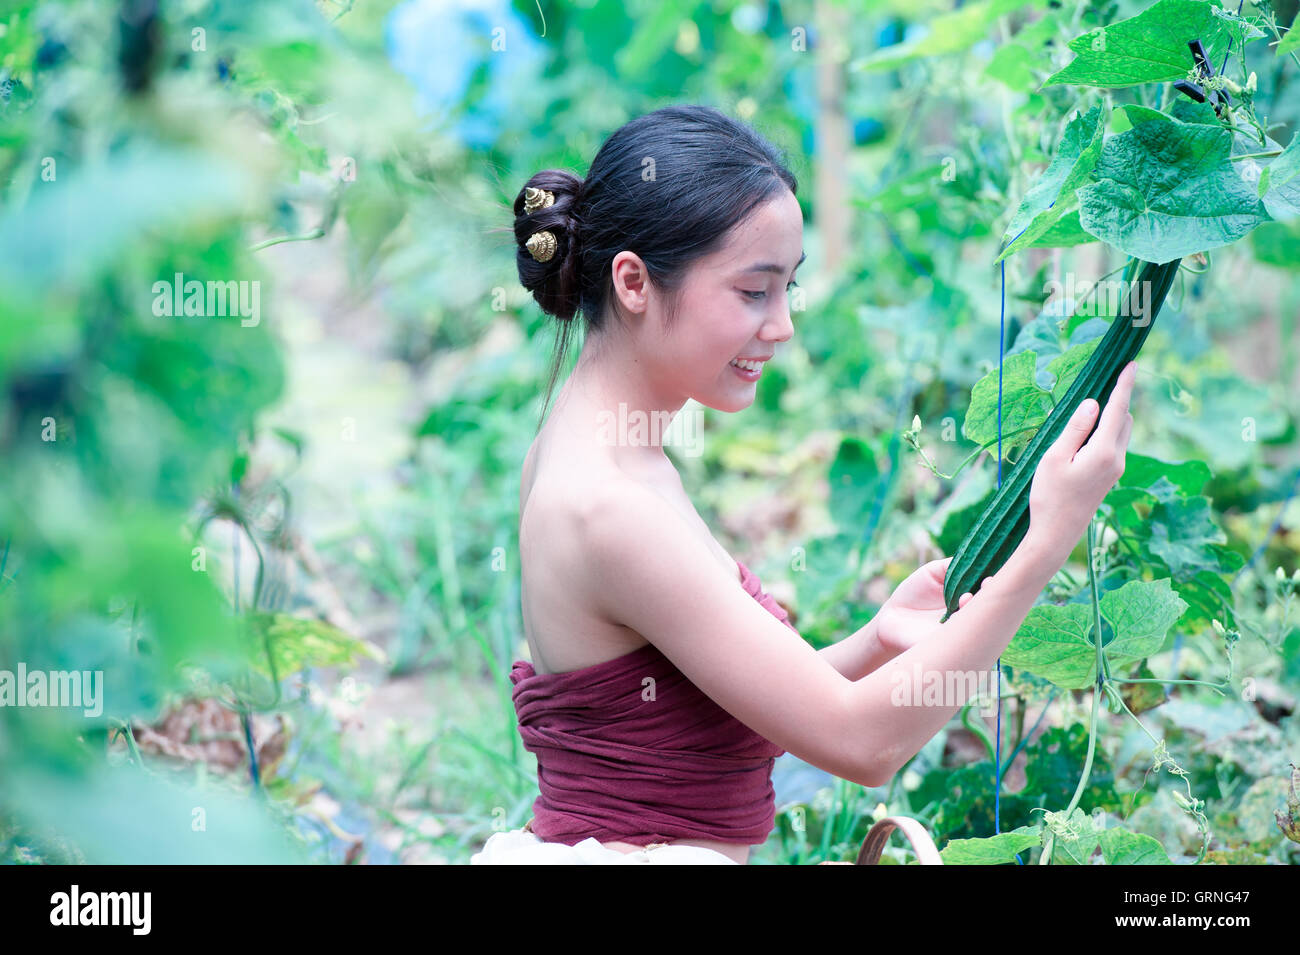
[915, 607]
[1072, 478]
[1069, 484]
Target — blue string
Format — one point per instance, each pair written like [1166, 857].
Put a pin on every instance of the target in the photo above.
[997, 758]
[1002, 347]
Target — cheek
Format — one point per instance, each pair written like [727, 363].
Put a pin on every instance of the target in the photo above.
[713, 330]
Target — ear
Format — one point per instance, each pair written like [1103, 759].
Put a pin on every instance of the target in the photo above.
[631, 281]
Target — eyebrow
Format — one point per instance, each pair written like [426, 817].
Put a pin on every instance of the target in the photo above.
[772, 266]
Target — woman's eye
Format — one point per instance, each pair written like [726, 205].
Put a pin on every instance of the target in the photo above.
[759, 296]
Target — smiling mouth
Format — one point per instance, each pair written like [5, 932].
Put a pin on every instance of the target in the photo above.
[746, 365]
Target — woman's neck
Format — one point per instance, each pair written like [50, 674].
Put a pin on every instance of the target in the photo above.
[608, 404]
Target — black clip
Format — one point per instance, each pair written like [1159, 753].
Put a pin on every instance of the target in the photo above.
[1204, 71]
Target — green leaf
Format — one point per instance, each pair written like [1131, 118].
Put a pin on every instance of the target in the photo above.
[854, 481]
[1290, 40]
[1181, 531]
[1277, 244]
[1209, 596]
[1228, 418]
[1142, 114]
[959, 522]
[1187, 110]
[1279, 185]
[1141, 613]
[1065, 231]
[1142, 471]
[1024, 404]
[1012, 65]
[1052, 771]
[1140, 697]
[72, 228]
[124, 816]
[1168, 189]
[1055, 642]
[993, 850]
[298, 643]
[905, 191]
[1052, 195]
[1015, 63]
[1075, 839]
[948, 33]
[1121, 847]
[1149, 47]
[1066, 367]
[1036, 358]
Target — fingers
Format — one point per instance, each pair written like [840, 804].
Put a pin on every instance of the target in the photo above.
[1107, 444]
[966, 598]
[1076, 430]
[1112, 419]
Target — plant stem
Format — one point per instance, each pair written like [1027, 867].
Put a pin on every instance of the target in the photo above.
[267, 243]
[979, 731]
[124, 727]
[1213, 686]
[1046, 857]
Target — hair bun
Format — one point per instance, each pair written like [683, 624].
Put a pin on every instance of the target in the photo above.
[548, 255]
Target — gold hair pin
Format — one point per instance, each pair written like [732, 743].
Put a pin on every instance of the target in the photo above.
[541, 245]
[535, 199]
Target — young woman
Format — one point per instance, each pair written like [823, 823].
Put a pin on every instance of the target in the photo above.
[663, 680]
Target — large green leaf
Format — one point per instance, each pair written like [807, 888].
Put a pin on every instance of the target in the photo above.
[1181, 532]
[1121, 847]
[1026, 400]
[1168, 189]
[1151, 46]
[1055, 642]
[1024, 404]
[994, 850]
[1052, 195]
[1142, 471]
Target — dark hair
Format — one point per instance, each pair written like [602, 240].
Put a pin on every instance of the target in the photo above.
[668, 186]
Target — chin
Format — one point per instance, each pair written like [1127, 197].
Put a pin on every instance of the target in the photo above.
[725, 403]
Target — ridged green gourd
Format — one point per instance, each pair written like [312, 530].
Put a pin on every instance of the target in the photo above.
[1005, 520]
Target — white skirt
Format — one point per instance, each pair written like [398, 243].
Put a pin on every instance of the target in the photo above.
[524, 847]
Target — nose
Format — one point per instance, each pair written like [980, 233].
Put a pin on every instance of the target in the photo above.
[778, 327]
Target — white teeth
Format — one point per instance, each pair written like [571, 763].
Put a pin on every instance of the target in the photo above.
[747, 365]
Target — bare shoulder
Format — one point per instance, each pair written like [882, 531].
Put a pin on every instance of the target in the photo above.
[649, 571]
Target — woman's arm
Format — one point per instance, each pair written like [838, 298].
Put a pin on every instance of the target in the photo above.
[645, 568]
[955, 655]
[857, 654]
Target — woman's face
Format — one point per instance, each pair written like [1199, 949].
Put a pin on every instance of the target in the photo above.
[733, 305]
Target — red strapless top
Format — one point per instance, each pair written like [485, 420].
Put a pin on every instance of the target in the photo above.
[622, 759]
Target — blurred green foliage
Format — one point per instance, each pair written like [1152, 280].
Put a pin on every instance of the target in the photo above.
[200, 138]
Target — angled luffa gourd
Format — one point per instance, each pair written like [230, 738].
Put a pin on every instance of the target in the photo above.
[1002, 526]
